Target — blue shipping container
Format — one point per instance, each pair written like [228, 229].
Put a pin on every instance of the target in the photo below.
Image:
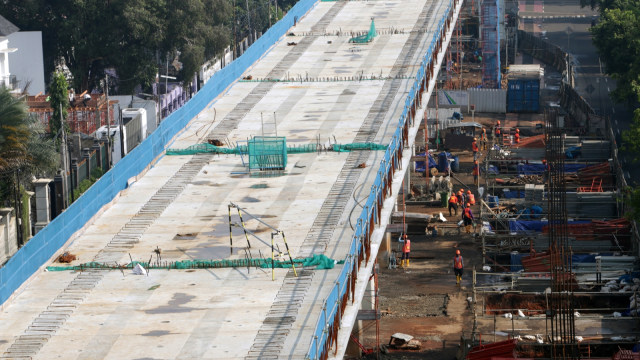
[523, 95]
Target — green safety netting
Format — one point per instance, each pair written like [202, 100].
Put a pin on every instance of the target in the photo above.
[321, 262]
[368, 37]
[358, 146]
[296, 149]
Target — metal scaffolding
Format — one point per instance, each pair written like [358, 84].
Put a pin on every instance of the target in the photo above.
[490, 32]
[560, 310]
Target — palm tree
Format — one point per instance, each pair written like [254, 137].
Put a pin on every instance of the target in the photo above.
[14, 132]
[25, 150]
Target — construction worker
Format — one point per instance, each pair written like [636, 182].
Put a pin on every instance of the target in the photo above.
[461, 198]
[406, 249]
[516, 137]
[471, 198]
[453, 204]
[474, 148]
[476, 172]
[545, 171]
[458, 266]
[483, 139]
[467, 218]
[497, 131]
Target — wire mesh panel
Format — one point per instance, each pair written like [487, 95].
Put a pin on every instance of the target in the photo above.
[267, 153]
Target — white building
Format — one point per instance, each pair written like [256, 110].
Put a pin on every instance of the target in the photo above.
[6, 29]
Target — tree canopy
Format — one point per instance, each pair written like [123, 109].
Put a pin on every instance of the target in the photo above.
[617, 38]
[136, 38]
[131, 36]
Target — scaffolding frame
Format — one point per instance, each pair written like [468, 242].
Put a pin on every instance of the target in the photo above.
[490, 32]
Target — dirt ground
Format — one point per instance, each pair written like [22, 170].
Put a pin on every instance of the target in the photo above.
[424, 300]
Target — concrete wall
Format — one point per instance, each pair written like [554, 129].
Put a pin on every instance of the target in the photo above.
[8, 236]
[26, 63]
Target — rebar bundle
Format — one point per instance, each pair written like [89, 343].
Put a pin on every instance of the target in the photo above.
[560, 309]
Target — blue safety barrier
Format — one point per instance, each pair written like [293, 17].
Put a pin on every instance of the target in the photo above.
[45, 243]
[325, 325]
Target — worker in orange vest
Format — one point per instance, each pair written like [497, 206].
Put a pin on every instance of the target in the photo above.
[453, 204]
[476, 172]
[458, 266]
[474, 148]
[497, 131]
[471, 198]
[467, 218]
[461, 199]
[406, 249]
[483, 139]
[516, 137]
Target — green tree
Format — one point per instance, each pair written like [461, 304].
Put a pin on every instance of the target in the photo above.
[59, 101]
[14, 132]
[616, 37]
[132, 37]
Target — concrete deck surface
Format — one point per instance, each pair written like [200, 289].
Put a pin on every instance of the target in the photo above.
[217, 313]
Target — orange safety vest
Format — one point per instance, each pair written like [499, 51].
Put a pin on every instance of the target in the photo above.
[497, 131]
[467, 213]
[472, 199]
[457, 262]
[474, 146]
[476, 170]
[453, 199]
[484, 134]
[407, 246]
[517, 138]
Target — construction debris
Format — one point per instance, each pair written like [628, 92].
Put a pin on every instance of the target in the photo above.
[66, 258]
[400, 341]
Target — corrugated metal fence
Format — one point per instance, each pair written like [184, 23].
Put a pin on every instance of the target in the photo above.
[488, 100]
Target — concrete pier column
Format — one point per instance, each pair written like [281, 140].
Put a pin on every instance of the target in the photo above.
[43, 205]
[86, 156]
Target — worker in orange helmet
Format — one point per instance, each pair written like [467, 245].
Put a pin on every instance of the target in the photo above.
[471, 198]
[497, 131]
[458, 266]
[453, 204]
[516, 137]
[461, 198]
[476, 172]
[406, 249]
[474, 148]
[467, 218]
[483, 139]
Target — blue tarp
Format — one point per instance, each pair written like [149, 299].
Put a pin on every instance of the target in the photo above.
[443, 163]
[573, 152]
[516, 262]
[538, 169]
[420, 164]
[529, 226]
[492, 170]
[513, 194]
[531, 213]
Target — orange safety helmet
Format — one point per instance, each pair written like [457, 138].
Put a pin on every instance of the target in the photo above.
[498, 122]
[517, 130]
[404, 236]
[474, 139]
[468, 192]
[468, 205]
[475, 162]
[544, 161]
[457, 252]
